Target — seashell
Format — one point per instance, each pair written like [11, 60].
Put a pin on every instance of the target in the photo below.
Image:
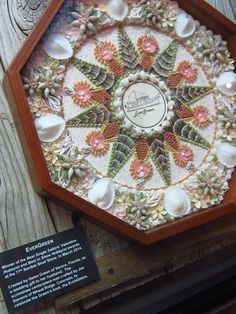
[117, 103]
[53, 103]
[117, 9]
[166, 124]
[119, 92]
[135, 13]
[120, 115]
[102, 193]
[153, 78]
[88, 181]
[124, 82]
[132, 77]
[170, 115]
[185, 25]
[226, 154]
[177, 202]
[58, 47]
[171, 104]
[226, 83]
[162, 85]
[143, 75]
[158, 129]
[168, 94]
[49, 127]
[128, 124]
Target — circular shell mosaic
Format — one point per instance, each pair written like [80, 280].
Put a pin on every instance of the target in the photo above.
[133, 102]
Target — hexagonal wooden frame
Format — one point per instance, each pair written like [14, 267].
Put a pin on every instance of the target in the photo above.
[200, 10]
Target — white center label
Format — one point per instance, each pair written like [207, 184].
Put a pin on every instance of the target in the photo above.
[144, 105]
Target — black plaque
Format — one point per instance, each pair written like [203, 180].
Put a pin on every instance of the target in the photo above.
[46, 268]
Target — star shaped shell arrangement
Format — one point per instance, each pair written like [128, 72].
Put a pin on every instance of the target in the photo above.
[133, 102]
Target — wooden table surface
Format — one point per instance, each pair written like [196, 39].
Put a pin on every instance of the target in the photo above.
[25, 216]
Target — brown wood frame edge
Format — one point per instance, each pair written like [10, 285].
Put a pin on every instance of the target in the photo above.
[32, 149]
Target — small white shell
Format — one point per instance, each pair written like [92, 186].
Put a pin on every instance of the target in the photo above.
[226, 83]
[158, 129]
[171, 104]
[119, 92]
[117, 103]
[170, 115]
[124, 82]
[152, 78]
[117, 9]
[162, 85]
[226, 154]
[120, 115]
[102, 193]
[49, 127]
[58, 47]
[177, 202]
[185, 25]
[128, 124]
[166, 124]
[142, 75]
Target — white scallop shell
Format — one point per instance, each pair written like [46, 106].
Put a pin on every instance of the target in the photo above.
[226, 83]
[49, 127]
[58, 47]
[176, 202]
[226, 154]
[185, 25]
[117, 9]
[102, 193]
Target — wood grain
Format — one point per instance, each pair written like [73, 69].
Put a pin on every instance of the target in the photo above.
[27, 13]
[135, 265]
[228, 7]
[25, 215]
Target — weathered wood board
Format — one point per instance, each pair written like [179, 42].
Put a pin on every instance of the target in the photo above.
[25, 216]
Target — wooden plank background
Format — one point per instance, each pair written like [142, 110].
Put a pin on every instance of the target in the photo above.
[25, 216]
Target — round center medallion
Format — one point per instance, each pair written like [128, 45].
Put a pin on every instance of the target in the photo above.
[144, 105]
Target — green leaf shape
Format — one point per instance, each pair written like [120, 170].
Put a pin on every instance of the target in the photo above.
[127, 52]
[188, 95]
[164, 63]
[160, 157]
[189, 134]
[97, 75]
[95, 116]
[121, 152]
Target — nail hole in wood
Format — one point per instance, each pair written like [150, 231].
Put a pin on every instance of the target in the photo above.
[111, 271]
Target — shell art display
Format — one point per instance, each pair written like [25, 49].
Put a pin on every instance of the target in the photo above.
[134, 106]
